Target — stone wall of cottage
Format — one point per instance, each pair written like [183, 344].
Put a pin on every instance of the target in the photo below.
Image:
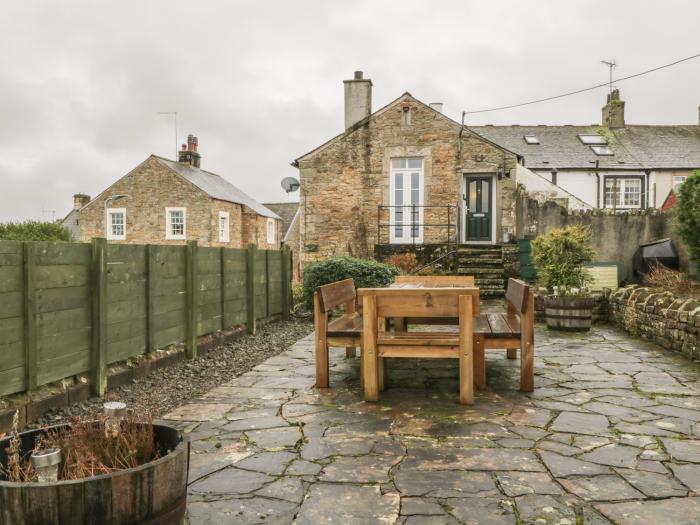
[343, 184]
[669, 321]
[151, 188]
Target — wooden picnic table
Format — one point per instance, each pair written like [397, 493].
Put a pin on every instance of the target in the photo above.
[450, 301]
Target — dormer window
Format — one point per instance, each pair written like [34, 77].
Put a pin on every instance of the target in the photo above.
[531, 139]
[592, 139]
[602, 150]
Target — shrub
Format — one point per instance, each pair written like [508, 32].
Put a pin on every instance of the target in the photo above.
[34, 231]
[366, 273]
[688, 215]
[677, 282]
[403, 261]
[560, 255]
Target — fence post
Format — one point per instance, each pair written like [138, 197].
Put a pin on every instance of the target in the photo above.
[284, 255]
[223, 288]
[250, 288]
[192, 302]
[150, 294]
[268, 293]
[30, 347]
[99, 317]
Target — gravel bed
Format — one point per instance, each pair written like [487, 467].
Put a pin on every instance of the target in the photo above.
[167, 388]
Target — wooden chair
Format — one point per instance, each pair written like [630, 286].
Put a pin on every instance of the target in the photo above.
[345, 331]
[379, 304]
[513, 330]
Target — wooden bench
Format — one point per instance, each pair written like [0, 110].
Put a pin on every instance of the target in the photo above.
[513, 330]
[382, 303]
[345, 330]
[435, 280]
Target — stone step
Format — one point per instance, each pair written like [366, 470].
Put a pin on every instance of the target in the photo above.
[480, 260]
[480, 271]
[489, 281]
[491, 293]
[479, 251]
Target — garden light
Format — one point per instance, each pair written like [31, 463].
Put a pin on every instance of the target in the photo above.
[46, 463]
[115, 412]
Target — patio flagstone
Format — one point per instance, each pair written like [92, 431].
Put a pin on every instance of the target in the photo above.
[610, 435]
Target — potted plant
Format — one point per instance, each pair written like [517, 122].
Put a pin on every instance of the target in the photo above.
[559, 257]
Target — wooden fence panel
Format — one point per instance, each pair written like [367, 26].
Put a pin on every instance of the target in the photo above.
[73, 308]
[127, 286]
[209, 314]
[168, 287]
[12, 359]
[260, 284]
[274, 283]
[235, 284]
[63, 322]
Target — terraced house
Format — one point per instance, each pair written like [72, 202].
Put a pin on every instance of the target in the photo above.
[408, 178]
[162, 201]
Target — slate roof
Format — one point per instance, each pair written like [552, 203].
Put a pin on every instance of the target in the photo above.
[216, 186]
[286, 211]
[634, 147]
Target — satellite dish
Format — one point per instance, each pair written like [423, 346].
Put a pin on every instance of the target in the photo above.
[290, 184]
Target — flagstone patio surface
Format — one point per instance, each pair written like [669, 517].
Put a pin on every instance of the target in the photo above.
[610, 435]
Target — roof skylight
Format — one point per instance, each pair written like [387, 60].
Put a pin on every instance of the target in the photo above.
[531, 139]
[602, 150]
[593, 139]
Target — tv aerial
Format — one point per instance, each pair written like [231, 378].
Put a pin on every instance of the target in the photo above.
[290, 184]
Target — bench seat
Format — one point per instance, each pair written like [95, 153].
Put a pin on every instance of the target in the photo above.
[493, 326]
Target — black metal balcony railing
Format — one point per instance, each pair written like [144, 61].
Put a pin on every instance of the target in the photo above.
[414, 224]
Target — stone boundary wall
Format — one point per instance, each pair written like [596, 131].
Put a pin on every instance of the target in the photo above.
[669, 321]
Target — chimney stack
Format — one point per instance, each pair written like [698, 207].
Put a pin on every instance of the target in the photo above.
[614, 111]
[80, 200]
[188, 154]
[358, 99]
[437, 106]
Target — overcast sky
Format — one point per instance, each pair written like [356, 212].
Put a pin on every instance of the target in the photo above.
[260, 82]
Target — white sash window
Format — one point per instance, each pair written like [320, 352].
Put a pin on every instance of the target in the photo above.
[406, 200]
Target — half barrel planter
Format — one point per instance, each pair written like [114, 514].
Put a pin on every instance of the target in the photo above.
[573, 314]
[152, 494]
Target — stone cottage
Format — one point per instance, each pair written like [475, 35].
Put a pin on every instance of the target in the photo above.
[403, 175]
[162, 201]
[289, 213]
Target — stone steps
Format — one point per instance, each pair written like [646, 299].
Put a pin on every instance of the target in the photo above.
[486, 265]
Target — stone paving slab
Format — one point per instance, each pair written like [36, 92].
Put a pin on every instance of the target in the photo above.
[610, 435]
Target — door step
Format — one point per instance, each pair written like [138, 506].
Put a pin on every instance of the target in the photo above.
[486, 265]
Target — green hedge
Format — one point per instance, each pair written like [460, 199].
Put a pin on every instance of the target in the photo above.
[688, 215]
[366, 273]
[34, 231]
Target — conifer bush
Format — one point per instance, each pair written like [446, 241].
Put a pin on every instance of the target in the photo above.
[34, 231]
[688, 215]
[559, 257]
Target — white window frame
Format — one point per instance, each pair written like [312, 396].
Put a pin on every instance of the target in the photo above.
[677, 181]
[531, 139]
[109, 234]
[602, 150]
[405, 238]
[224, 234]
[271, 231]
[169, 235]
[622, 183]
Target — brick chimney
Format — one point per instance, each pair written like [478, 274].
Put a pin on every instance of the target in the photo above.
[188, 154]
[80, 200]
[614, 111]
[358, 99]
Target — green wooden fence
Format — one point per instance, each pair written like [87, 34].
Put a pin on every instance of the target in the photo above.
[74, 308]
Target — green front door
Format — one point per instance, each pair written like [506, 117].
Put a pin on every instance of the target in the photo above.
[478, 208]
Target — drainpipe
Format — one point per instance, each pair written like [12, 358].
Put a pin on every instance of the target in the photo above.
[646, 189]
[597, 185]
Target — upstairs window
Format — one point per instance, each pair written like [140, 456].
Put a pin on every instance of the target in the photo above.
[115, 225]
[678, 180]
[223, 226]
[271, 231]
[623, 193]
[531, 139]
[593, 139]
[602, 150]
[175, 223]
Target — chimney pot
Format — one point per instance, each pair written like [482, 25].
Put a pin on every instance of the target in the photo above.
[614, 111]
[358, 99]
[189, 154]
[80, 200]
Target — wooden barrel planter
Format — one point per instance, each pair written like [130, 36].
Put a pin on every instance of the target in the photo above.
[154, 493]
[572, 314]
